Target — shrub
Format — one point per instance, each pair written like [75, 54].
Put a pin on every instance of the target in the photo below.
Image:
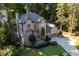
[42, 32]
[54, 43]
[8, 51]
[14, 50]
[32, 39]
[47, 38]
[16, 42]
[2, 35]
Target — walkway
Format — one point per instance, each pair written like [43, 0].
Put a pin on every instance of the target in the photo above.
[67, 44]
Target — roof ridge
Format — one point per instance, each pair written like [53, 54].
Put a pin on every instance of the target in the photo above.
[34, 16]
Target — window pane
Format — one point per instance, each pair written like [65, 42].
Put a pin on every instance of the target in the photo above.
[28, 25]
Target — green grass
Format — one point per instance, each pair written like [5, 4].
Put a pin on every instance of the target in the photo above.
[77, 44]
[45, 51]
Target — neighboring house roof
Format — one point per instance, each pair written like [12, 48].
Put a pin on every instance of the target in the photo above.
[33, 16]
[3, 16]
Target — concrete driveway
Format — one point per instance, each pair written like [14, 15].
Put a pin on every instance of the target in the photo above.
[67, 44]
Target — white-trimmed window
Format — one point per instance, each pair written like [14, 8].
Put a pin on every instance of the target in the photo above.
[28, 25]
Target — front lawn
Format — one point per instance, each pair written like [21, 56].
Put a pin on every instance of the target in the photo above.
[45, 51]
[77, 45]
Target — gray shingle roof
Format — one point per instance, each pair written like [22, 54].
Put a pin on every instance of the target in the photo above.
[33, 16]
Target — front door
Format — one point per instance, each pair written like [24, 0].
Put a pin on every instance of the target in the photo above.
[27, 34]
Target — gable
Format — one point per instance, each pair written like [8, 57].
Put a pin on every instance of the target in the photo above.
[28, 21]
[33, 16]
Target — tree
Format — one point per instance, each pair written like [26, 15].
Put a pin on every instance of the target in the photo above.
[21, 9]
[6, 32]
[72, 20]
[61, 14]
[77, 15]
[66, 14]
[48, 11]
[42, 32]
